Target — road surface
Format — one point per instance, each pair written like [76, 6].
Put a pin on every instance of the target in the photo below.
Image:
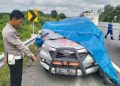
[35, 75]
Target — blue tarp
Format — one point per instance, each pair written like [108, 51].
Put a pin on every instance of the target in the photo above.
[84, 32]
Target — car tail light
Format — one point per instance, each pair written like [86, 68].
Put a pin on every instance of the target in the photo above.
[66, 63]
[74, 64]
[57, 63]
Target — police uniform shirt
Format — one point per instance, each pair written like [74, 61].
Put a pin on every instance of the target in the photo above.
[12, 43]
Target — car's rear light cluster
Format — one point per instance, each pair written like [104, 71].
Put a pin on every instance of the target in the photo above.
[67, 58]
[57, 63]
[60, 63]
[74, 64]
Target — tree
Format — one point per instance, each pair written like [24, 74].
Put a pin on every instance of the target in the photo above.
[108, 14]
[100, 11]
[54, 14]
[86, 12]
[62, 16]
[41, 13]
[117, 13]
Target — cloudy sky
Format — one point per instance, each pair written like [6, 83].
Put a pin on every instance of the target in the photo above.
[69, 7]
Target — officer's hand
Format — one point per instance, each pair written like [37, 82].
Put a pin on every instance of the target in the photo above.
[5, 61]
[34, 58]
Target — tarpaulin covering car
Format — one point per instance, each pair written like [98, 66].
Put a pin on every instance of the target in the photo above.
[82, 31]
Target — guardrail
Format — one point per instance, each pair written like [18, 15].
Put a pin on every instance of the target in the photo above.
[27, 43]
[116, 26]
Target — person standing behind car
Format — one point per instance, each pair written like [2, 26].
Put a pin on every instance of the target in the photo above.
[119, 36]
[110, 31]
[14, 49]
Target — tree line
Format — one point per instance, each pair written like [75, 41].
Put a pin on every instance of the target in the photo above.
[54, 14]
[110, 13]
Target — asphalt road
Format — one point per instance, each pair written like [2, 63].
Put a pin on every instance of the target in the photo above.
[35, 75]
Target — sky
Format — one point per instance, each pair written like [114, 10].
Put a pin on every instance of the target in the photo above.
[69, 7]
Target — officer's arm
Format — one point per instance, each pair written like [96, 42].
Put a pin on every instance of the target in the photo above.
[14, 39]
[5, 53]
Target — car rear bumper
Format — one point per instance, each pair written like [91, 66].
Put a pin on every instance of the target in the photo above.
[76, 72]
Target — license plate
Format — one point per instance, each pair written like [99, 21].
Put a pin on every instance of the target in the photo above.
[65, 71]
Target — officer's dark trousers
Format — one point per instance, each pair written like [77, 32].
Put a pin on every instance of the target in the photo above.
[109, 32]
[16, 73]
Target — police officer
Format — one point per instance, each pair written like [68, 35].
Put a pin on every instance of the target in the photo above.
[110, 31]
[14, 49]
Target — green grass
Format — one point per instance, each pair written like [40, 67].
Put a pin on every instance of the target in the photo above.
[4, 76]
